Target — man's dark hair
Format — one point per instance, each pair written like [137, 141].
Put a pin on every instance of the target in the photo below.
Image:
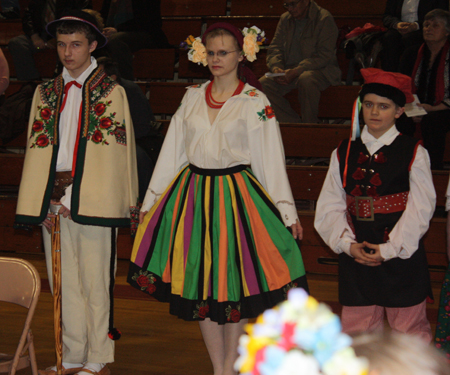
[110, 66]
[70, 27]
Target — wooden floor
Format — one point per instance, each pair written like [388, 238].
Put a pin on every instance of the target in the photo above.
[153, 342]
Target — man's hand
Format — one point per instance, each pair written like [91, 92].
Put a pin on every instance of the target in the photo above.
[297, 230]
[281, 80]
[406, 27]
[108, 31]
[38, 42]
[291, 74]
[357, 251]
[64, 211]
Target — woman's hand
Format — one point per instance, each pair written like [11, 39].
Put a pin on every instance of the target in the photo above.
[141, 216]
[297, 230]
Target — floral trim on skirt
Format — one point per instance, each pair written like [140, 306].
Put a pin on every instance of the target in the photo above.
[214, 245]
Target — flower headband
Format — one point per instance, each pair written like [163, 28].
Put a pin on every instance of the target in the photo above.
[252, 38]
[299, 336]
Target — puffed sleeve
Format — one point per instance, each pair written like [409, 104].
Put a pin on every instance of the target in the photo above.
[267, 157]
[413, 224]
[171, 159]
[331, 211]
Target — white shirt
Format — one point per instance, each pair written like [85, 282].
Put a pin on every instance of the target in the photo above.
[409, 10]
[238, 135]
[68, 125]
[331, 212]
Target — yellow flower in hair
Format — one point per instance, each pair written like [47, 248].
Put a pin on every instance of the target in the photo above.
[251, 47]
[199, 52]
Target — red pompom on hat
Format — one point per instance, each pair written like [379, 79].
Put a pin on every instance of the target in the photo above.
[387, 84]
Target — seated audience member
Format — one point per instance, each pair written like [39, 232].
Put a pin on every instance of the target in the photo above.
[132, 25]
[4, 73]
[399, 354]
[304, 48]
[148, 138]
[429, 68]
[404, 19]
[37, 15]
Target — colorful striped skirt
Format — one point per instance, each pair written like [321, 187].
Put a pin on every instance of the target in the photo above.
[214, 246]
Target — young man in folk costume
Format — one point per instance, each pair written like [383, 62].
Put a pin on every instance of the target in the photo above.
[375, 206]
[80, 161]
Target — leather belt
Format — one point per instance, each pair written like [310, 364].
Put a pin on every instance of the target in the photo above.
[364, 208]
[62, 181]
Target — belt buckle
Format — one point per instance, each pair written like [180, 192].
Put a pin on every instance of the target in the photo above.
[372, 216]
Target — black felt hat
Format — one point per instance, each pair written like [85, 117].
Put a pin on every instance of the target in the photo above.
[80, 16]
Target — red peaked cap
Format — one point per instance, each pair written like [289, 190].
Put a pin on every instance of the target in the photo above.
[375, 79]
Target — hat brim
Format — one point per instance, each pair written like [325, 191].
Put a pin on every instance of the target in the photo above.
[99, 37]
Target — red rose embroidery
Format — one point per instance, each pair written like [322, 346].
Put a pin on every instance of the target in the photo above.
[375, 180]
[38, 126]
[46, 113]
[100, 109]
[143, 281]
[358, 174]
[97, 136]
[356, 192]
[362, 158]
[42, 141]
[105, 123]
[202, 311]
[380, 158]
[251, 93]
[269, 111]
[372, 191]
[235, 316]
[151, 288]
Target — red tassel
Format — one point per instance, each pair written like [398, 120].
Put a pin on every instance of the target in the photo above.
[362, 158]
[114, 334]
[375, 180]
[358, 174]
[380, 158]
[356, 192]
[386, 235]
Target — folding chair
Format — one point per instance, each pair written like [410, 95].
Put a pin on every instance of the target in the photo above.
[20, 284]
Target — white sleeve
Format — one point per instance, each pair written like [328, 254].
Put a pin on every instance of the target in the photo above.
[171, 159]
[415, 220]
[447, 195]
[267, 158]
[331, 212]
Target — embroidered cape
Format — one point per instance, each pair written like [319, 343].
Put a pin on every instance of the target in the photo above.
[105, 186]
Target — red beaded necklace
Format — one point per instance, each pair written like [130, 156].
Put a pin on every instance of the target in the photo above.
[215, 104]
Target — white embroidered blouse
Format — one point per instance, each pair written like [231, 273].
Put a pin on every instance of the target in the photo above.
[245, 131]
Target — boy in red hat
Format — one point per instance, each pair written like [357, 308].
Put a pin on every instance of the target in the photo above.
[375, 206]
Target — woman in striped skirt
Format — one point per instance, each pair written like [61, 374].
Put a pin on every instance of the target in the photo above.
[213, 238]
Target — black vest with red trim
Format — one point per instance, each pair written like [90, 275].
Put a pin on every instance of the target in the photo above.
[396, 282]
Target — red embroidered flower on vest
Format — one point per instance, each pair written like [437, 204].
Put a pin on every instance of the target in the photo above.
[359, 174]
[380, 158]
[372, 191]
[362, 158]
[375, 180]
[356, 192]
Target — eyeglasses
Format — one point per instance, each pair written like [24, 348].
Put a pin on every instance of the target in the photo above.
[219, 53]
[291, 4]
